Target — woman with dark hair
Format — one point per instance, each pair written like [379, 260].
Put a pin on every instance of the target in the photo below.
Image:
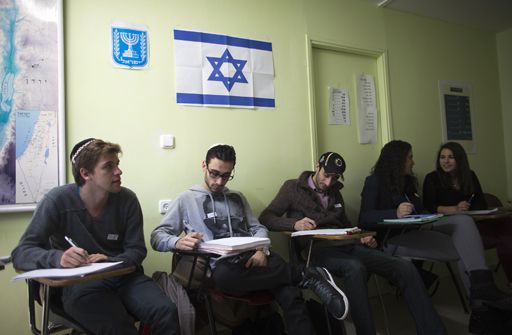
[390, 192]
[453, 187]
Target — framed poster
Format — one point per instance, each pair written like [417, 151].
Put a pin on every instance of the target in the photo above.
[455, 101]
[31, 102]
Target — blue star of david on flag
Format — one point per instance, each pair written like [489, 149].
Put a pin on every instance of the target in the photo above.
[223, 70]
[217, 74]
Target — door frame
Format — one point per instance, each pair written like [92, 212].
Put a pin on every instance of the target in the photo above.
[382, 87]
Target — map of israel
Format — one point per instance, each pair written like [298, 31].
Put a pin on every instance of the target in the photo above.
[28, 100]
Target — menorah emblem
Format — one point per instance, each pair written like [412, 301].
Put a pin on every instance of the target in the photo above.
[130, 39]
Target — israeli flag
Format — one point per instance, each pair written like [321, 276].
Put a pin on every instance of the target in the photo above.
[221, 70]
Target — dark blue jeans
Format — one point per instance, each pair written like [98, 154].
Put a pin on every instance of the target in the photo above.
[277, 277]
[107, 306]
[355, 263]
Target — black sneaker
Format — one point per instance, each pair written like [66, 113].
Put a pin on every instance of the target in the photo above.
[320, 281]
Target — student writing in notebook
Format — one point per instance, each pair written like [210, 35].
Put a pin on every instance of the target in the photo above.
[453, 188]
[104, 222]
[383, 197]
[314, 201]
[211, 211]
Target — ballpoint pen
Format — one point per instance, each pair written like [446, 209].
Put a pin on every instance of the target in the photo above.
[409, 201]
[71, 242]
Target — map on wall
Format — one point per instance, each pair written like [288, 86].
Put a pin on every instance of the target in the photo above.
[30, 101]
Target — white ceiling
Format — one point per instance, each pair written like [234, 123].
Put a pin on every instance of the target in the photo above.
[492, 15]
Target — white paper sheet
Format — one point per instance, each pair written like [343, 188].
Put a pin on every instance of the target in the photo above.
[65, 272]
[229, 245]
[367, 109]
[478, 212]
[339, 106]
[342, 231]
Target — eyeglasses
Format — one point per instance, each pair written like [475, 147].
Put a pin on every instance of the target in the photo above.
[224, 176]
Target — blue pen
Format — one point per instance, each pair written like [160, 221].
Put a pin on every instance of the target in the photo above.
[409, 200]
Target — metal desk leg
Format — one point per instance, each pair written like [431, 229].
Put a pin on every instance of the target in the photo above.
[309, 252]
[45, 309]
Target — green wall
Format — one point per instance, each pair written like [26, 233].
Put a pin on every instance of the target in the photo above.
[504, 42]
[134, 107]
[423, 51]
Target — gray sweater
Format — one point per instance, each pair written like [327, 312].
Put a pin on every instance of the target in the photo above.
[216, 215]
[118, 233]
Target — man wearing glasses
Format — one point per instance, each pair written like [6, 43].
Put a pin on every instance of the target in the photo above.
[212, 211]
[314, 201]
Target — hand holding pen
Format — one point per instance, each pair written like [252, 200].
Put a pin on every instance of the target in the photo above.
[405, 208]
[465, 205]
[74, 256]
[413, 208]
[190, 241]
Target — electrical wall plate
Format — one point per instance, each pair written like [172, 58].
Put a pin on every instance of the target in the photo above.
[167, 141]
[163, 206]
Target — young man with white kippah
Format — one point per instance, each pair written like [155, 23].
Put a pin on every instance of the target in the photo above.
[92, 220]
[314, 201]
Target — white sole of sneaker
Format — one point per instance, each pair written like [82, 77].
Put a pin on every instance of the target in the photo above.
[331, 282]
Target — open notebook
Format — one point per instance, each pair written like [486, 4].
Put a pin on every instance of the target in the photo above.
[415, 219]
[234, 245]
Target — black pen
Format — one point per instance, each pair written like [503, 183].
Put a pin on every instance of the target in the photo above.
[471, 198]
[71, 242]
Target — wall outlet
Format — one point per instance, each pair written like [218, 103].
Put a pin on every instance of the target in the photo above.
[163, 206]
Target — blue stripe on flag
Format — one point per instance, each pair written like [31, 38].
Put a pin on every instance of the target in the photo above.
[194, 36]
[226, 100]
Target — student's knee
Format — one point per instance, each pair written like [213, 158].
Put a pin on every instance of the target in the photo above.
[163, 318]
[406, 270]
[355, 268]
[352, 269]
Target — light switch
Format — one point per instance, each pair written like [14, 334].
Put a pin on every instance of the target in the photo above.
[167, 141]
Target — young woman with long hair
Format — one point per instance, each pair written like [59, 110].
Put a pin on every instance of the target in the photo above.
[391, 192]
[454, 188]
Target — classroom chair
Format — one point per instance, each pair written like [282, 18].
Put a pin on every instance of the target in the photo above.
[191, 269]
[46, 292]
[426, 246]
[489, 242]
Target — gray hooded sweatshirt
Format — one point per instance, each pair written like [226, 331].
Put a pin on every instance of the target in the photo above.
[216, 215]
